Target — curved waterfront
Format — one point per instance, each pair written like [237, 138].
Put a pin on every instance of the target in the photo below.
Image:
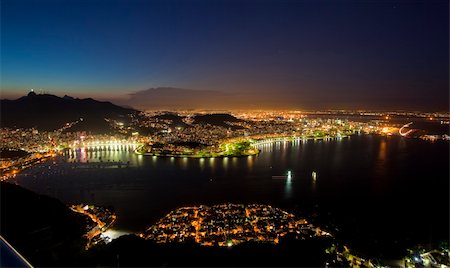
[380, 190]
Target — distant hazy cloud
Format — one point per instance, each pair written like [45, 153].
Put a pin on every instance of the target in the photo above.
[170, 98]
[180, 98]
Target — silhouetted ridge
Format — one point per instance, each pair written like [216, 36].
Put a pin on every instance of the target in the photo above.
[137, 252]
[41, 228]
[177, 120]
[216, 119]
[49, 112]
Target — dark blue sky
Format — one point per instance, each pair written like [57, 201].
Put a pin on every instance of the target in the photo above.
[324, 54]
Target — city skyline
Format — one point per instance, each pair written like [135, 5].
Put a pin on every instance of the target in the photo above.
[260, 54]
[224, 133]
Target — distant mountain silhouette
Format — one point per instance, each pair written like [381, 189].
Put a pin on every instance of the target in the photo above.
[49, 112]
[177, 120]
[216, 119]
[212, 119]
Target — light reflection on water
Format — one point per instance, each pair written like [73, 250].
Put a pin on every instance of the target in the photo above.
[250, 161]
[288, 188]
[356, 173]
[225, 162]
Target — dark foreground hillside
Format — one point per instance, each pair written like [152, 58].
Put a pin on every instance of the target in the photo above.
[48, 234]
[42, 229]
[130, 250]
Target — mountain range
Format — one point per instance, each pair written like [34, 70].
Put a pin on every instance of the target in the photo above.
[49, 112]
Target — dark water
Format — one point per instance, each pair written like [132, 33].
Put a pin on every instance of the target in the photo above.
[382, 191]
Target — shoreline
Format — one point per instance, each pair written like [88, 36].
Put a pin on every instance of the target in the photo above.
[252, 145]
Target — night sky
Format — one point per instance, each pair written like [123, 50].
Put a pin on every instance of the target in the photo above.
[304, 54]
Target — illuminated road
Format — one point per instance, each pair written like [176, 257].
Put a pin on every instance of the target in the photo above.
[100, 226]
[404, 134]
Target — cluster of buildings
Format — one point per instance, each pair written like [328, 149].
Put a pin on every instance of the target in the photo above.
[30, 140]
[230, 224]
[164, 130]
[207, 135]
[435, 137]
[9, 167]
[99, 219]
[435, 257]
[171, 134]
[22, 148]
[263, 115]
[177, 134]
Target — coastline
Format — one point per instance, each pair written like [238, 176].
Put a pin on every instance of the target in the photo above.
[253, 146]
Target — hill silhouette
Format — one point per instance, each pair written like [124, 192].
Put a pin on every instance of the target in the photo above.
[177, 120]
[49, 112]
[48, 234]
[217, 120]
[44, 230]
[133, 251]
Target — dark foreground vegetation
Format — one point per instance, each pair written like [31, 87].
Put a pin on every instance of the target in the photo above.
[42, 229]
[131, 250]
[47, 233]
